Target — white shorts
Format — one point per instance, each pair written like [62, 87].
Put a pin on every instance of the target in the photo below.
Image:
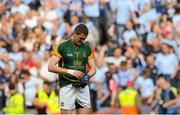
[69, 95]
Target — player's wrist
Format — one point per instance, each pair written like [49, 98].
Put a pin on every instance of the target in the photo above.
[89, 75]
[70, 71]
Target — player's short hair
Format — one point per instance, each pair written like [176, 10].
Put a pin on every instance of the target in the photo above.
[81, 28]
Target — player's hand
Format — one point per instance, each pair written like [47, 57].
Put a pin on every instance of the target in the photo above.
[83, 82]
[76, 73]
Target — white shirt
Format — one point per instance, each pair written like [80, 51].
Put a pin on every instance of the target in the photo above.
[100, 76]
[45, 73]
[127, 35]
[31, 23]
[146, 86]
[22, 8]
[30, 90]
[16, 56]
[114, 60]
[166, 63]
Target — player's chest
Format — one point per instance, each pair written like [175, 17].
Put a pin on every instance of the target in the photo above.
[75, 53]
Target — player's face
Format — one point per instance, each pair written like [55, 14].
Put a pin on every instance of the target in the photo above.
[80, 39]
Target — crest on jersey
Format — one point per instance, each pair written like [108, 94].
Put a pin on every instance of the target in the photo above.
[84, 54]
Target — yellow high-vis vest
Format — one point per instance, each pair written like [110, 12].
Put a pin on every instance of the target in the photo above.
[174, 90]
[127, 100]
[52, 100]
[15, 104]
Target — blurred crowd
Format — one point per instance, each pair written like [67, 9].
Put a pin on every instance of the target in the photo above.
[136, 44]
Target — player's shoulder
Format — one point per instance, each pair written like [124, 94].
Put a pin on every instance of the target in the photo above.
[86, 45]
[63, 42]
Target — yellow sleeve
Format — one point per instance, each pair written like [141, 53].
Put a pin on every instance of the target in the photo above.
[55, 52]
[91, 56]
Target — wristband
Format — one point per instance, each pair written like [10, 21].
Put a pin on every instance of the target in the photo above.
[70, 71]
[88, 74]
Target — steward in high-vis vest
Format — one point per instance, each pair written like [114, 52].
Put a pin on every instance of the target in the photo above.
[167, 95]
[129, 100]
[53, 103]
[15, 103]
[46, 101]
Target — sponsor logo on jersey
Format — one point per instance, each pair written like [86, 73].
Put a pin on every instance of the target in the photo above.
[69, 54]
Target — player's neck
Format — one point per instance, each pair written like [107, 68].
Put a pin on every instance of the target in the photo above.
[72, 40]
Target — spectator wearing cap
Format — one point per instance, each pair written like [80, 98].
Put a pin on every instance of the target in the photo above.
[129, 100]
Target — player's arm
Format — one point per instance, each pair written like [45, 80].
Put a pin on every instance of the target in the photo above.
[53, 61]
[170, 102]
[92, 67]
[52, 67]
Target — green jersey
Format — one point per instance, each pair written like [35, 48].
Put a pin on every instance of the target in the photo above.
[72, 57]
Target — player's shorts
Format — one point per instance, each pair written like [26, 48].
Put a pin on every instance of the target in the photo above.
[71, 96]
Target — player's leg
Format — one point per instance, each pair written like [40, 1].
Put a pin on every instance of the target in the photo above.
[67, 96]
[83, 105]
[83, 111]
[63, 111]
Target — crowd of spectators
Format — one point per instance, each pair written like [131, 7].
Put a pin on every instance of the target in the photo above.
[132, 40]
